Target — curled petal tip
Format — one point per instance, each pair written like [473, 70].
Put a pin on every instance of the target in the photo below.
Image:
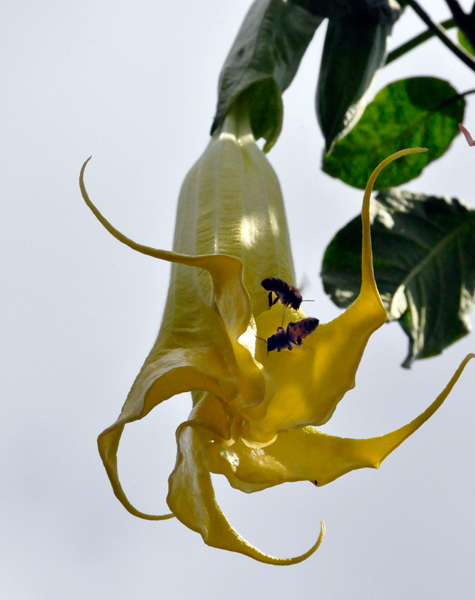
[108, 445]
[368, 281]
[314, 547]
[465, 361]
[302, 557]
[297, 559]
[85, 163]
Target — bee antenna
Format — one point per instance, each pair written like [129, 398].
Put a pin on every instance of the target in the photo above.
[308, 300]
[259, 338]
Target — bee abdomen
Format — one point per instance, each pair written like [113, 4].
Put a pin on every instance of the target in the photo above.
[303, 328]
[309, 324]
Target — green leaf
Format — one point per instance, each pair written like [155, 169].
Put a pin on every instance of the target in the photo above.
[465, 43]
[410, 113]
[353, 54]
[263, 61]
[424, 264]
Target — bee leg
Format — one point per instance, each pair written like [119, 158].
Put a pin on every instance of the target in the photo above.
[269, 296]
[272, 302]
[283, 317]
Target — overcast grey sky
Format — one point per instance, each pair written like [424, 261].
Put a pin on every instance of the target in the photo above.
[133, 83]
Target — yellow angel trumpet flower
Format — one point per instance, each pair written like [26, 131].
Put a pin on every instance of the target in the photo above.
[254, 415]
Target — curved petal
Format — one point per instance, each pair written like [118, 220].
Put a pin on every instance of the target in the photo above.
[311, 380]
[192, 500]
[197, 348]
[305, 453]
[230, 214]
[230, 294]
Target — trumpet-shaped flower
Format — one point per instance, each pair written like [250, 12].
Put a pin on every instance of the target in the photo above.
[254, 415]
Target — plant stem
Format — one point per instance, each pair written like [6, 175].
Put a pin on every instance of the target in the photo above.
[440, 33]
[416, 41]
[464, 21]
[457, 11]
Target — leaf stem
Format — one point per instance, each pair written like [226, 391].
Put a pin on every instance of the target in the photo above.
[467, 93]
[440, 33]
[416, 41]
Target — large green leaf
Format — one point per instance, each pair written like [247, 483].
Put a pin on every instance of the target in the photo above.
[424, 263]
[263, 61]
[353, 54]
[415, 112]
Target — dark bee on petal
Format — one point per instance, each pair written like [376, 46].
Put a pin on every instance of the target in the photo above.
[285, 339]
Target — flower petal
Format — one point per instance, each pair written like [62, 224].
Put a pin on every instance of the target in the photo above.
[197, 348]
[310, 381]
[305, 453]
[192, 500]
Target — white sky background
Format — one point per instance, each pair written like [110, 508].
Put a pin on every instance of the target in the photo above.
[134, 84]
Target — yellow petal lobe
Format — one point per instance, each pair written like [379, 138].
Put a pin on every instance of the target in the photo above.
[192, 499]
[305, 453]
[310, 382]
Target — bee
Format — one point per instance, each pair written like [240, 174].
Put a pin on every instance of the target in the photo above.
[286, 293]
[292, 336]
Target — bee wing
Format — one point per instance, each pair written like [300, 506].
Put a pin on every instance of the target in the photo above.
[301, 345]
[304, 282]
